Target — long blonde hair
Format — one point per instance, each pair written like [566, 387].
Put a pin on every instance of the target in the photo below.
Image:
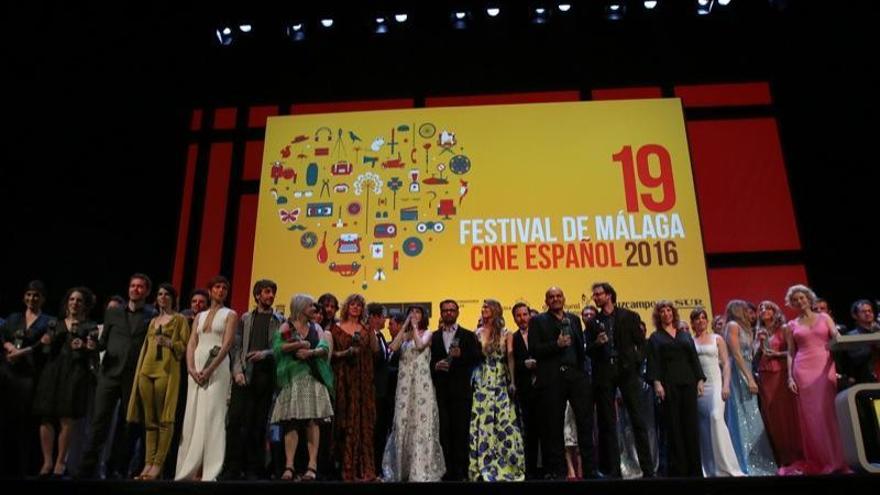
[491, 341]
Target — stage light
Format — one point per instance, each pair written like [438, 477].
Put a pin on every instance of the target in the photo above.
[381, 27]
[460, 19]
[401, 17]
[493, 11]
[328, 22]
[564, 7]
[295, 32]
[704, 7]
[615, 11]
[650, 4]
[245, 28]
[224, 35]
[540, 16]
[724, 3]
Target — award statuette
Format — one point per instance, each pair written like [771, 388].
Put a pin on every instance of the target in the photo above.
[452, 345]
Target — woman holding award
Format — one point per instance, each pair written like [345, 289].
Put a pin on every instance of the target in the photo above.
[157, 380]
[203, 443]
[302, 356]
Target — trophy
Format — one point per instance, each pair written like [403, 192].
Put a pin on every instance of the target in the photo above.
[212, 354]
[453, 344]
[53, 323]
[19, 338]
[565, 327]
[356, 338]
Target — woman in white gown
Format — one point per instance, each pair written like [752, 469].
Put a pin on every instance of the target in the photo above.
[203, 439]
[413, 451]
[716, 447]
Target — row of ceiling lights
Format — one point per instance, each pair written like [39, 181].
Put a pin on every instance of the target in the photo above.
[614, 10]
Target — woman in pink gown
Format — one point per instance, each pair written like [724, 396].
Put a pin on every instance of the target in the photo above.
[778, 404]
[813, 378]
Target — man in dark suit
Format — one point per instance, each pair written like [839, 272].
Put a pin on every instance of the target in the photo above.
[375, 325]
[616, 345]
[526, 395]
[455, 352]
[121, 341]
[556, 340]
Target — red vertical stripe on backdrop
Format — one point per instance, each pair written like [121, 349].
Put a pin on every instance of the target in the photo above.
[724, 95]
[754, 284]
[196, 123]
[742, 186]
[224, 118]
[627, 93]
[350, 106]
[257, 115]
[244, 253]
[253, 160]
[185, 211]
[214, 213]
[503, 99]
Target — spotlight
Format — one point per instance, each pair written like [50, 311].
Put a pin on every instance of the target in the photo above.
[327, 22]
[224, 35]
[704, 7]
[615, 11]
[540, 16]
[245, 28]
[650, 4]
[564, 7]
[295, 32]
[401, 17]
[381, 27]
[723, 3]
[460, 19]
[493, 11]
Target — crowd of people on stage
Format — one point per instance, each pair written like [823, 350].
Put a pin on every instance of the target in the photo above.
[320, 393]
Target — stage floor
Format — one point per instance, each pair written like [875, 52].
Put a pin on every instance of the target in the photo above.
[792, 485]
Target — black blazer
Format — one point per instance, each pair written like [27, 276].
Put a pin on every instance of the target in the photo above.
[525, 389]
[122, 341]
[543, 331]
[457, 381]
[629, 342]
[673, 361]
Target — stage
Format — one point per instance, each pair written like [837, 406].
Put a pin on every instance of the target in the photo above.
[776, 485]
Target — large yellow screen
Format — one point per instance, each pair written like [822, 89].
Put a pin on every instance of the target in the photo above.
[469, 203]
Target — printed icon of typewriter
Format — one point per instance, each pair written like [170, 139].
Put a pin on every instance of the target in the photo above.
[348, 244]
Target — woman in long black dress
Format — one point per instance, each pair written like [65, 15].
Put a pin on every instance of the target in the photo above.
[19, 368]
[62, 390]
[674, 370]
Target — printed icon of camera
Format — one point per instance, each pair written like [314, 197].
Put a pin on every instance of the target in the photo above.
[423, 227]
[385, 230]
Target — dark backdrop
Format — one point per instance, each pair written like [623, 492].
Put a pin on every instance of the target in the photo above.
[97, 102]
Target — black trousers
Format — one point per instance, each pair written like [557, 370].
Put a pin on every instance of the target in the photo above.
[384, 418]
[604, 391]
[529, 409]
[108, 391]
[19, 429]
[680, 419]
[247, 422]
[455, 421]
[573, 386]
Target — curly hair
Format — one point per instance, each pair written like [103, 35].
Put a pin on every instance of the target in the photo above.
[88, 300]
[343, 311]
[803, 289]
[655, 315]
[778, 317]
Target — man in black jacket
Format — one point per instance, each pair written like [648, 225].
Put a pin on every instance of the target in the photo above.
[455, 352]
[121, 341]
[381, 381]
[526, 395]
[616, 345]
[253, 372]
[556, 340]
